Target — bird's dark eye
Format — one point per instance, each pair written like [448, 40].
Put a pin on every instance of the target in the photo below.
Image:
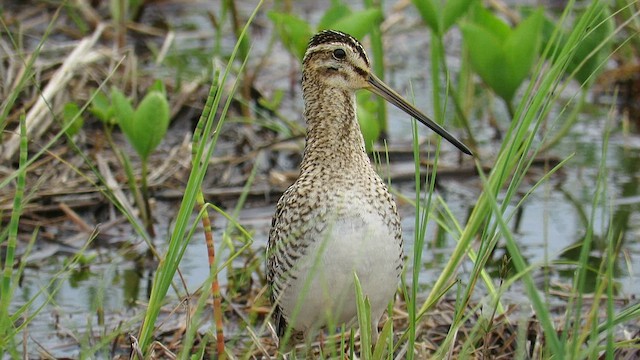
[339, 54]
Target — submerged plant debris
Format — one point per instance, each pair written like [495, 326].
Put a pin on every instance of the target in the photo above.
[80, 246]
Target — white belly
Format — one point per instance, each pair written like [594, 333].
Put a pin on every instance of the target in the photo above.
[361, 243]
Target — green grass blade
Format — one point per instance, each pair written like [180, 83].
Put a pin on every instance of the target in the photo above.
[168, 265]
[364, 319]
[6, 325]
[542, 311]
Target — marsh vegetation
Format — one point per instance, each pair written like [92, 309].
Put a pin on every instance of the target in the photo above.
[137, 136]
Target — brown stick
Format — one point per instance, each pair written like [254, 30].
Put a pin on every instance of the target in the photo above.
[215, 285]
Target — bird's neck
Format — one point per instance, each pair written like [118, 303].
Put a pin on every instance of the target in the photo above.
[333, 137]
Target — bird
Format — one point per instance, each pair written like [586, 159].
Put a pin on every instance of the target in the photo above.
[338, 218]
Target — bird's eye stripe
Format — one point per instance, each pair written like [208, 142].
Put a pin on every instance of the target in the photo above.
[361, 72]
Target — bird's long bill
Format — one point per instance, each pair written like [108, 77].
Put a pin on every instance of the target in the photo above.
[382, 89]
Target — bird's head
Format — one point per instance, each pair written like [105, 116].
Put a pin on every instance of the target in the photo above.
[339, 61]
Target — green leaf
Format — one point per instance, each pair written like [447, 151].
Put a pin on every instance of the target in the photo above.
[522, 45]
[453, 10]
[385, 334]
[358, 24]
[584, 61]
[602, 28]
[157, 85]
[363, 309]
[116, 10]
[101, 108]
[487, 20]
[150, 123]
[501, 56]
[71, 114]
[429, 13]
[546, 34]
[490, 65]
[123, 112]
[274, 103]
[293, 31]
[368, 120]
[336, 12]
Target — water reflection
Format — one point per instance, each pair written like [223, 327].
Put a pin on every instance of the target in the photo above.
[625, 185]
[550, 228]
[552, 223]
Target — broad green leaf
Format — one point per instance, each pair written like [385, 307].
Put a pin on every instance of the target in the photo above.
[294, 32]
[522, 46]
[71, 113]
[101, 108]
[487, 20]
[122, 111]
[429, 13]
[488, 59]
[453, 10]
[157, 85]
[358, 24]
[501, 56]
[602, 29]
[369, 125]
[150, 123]
[336, 12]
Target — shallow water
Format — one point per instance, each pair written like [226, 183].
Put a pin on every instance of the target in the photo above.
[550, 222]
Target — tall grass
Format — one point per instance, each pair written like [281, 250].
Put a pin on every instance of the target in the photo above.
[583, 334]
[489, 216]
[178, 241]
[6, 322]
[15, 320]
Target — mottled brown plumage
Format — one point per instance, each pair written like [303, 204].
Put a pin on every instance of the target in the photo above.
[338, 218]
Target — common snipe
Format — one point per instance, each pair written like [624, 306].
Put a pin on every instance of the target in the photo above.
[338, 217]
